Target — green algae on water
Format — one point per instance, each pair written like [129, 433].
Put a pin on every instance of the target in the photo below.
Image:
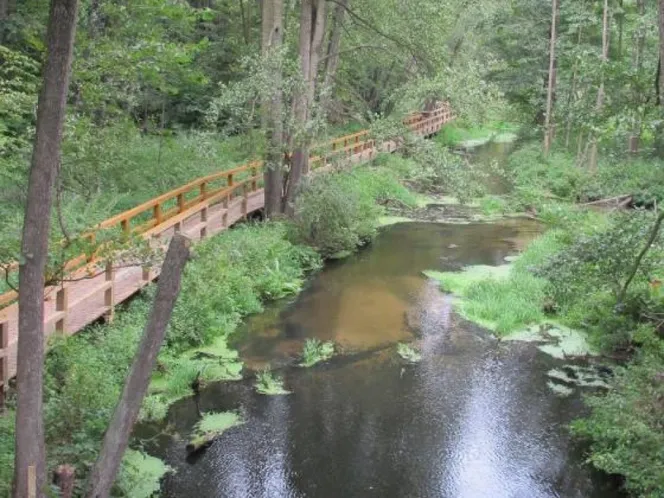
[557, 341]
[270, 384]
[408, 353]
[140, 474]
[315, 352]
[210, 427]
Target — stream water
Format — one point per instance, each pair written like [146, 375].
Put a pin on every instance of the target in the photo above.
[474, 419]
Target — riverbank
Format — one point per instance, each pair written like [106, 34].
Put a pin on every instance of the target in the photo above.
[584, 275]
[229, 278]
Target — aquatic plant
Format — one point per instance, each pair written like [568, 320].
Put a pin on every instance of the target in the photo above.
[140, 474]
[211, 426]
[269, 383]
[408, 353]
[315, 351]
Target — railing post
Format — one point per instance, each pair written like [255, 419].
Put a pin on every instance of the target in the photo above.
[147, 274]
[203, 191]
[254, 183]
[109, 293]
[245, 200]
[61, 305]
[156, 214]
[180, 203]
[204, 219]
[4, 362]
[124, 224]
[229, 180]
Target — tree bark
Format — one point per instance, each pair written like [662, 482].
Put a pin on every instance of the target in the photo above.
[592, 160]
[332, 57]
[659, 139]
[126, 412]
[635, 139]
[30, 458]
[4, 10]
[272, 107]
[548, 123]
[312, 30]
[572, 94]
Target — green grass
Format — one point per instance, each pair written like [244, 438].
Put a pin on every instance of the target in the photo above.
[315, 352]
[472, 136]
[140, 474]
[269, 383]
[503, 298]
[211, 426]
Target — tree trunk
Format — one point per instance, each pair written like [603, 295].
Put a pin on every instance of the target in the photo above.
[332, 56]
[245, 25]
[635, 139]
[592, 160]
[659, 139]
[312, 29]
[117, 435]
[548, 123]
[271, 40]
[4, 10]
[30, 458]
[572, 94]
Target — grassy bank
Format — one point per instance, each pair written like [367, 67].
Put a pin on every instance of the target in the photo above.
[572, 278]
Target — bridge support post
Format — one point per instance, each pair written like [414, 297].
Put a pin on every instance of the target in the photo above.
[204, 219]
[61, 306]
[245, 200]
[4, 363]
[109, 293]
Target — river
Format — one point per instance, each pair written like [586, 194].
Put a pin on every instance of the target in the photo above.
[474, 418]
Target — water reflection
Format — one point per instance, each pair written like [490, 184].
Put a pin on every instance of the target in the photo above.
[473, 419]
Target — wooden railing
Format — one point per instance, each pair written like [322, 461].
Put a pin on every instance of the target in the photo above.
[198, 209]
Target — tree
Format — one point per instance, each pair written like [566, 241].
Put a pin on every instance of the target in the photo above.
[272, 108]
[592, 161]
[30, 458]
[332, 55]
[117, 435]
[312, 29]
[548, 126]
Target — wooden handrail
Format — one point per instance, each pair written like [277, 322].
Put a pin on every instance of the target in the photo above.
[345, 145]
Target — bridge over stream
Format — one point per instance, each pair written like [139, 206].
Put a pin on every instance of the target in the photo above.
[199, 209]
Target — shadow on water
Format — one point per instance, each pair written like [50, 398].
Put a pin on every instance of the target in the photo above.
[473, 419]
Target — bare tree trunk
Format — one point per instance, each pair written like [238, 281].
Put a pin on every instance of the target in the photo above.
[332, 56]
[4, 10]
[312, 30]
[572, 94]
[548, 122]
[592, 160]
[272, 36]
[126, 412]
[245, 25]
[30, 457]
[635, 139]
[659, 131]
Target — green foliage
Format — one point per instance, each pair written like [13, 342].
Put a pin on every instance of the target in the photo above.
[316, 351]
[350, 216]
[140, 474]
[504, 298]
[7, 427]
[408, 353]
[211, 426]
[625, 425]
[269, 383]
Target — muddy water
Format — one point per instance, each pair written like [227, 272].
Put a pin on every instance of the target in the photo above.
[473, 419]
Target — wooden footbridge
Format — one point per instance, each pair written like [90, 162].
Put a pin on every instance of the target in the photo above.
[199, 209]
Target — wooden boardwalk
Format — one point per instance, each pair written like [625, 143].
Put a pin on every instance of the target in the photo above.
[200, 209]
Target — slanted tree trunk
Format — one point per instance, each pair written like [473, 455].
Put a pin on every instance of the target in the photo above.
[312, 30]
[272, 107]
[30, 458]
[126, 412]
[592, 160]
[332, 56]
[548, 120]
